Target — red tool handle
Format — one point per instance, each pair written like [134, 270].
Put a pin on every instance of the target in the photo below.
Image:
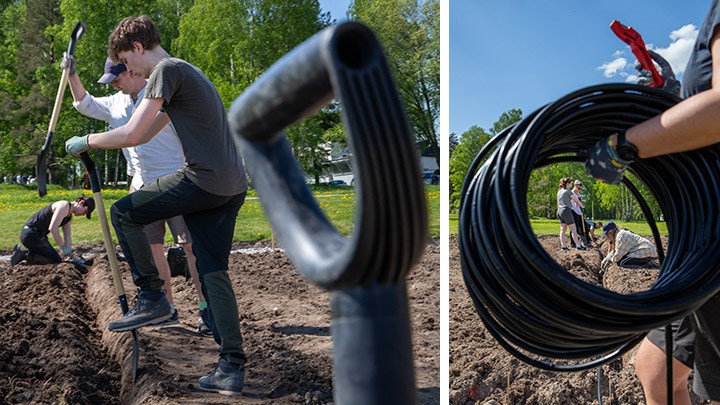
[637, 46]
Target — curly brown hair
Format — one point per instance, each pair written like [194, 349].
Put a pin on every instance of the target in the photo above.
[130, 30]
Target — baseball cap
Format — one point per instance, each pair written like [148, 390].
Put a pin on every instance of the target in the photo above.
[578, 183]
[608, 227]
[112, 70]
[90, 204]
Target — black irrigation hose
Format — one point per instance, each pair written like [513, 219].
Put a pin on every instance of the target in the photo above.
[536, 309]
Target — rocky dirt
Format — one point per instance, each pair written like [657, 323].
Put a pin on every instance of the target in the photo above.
[482, 372]
[55, 347]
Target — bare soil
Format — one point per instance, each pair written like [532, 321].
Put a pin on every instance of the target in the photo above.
[482, 372]
[55, 346]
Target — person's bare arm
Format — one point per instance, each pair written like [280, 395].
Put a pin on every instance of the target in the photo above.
[577, 200]
[60, 211]
[136, 132]
[689, 125]
[67, 234]
[76, 88]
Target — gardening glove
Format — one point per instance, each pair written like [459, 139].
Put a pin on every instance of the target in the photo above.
[671, 84]
[604, 164]
[605, 263]
[67, 250]
[77, 145]
[68, 61]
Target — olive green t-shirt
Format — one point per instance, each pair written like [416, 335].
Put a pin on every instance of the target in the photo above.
[212, 158]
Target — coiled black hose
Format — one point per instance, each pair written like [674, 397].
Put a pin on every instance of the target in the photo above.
[536, 309]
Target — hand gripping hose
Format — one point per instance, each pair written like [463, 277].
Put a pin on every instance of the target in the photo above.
[536, 309]
[366, 272]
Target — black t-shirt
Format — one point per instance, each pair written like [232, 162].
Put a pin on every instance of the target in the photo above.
[40, 220]
[698, 73]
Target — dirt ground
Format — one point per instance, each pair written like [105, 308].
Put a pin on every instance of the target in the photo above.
[482, 372]
[55, 347]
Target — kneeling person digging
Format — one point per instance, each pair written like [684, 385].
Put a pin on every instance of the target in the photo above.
[627, 249]
[49, 220]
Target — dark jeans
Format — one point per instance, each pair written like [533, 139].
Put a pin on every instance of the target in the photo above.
[580, 228]
[210, 219]
[40, 251]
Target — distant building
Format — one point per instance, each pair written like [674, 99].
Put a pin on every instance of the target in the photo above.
[339, 166]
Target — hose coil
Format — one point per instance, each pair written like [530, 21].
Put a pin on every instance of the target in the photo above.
[536, 309]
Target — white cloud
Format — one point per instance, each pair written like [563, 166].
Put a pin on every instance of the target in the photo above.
[677, 54]
[615, 67]
[679, 50]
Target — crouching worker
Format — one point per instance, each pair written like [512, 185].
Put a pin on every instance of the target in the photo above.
[627, 249]
[590, 227]
[49, 220]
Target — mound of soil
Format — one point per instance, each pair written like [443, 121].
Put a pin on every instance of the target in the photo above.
[55, 346]
[482, 372]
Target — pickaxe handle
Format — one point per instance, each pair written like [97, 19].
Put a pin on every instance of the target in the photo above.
[637, 46]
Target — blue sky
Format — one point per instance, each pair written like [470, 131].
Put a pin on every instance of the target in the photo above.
[527, 53]
[337, 8]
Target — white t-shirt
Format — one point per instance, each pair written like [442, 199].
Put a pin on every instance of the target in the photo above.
[574, 205]
[161, 156]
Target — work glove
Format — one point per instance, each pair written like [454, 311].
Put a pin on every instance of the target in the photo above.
[671, 84]
[68, 61]
[77, 145]
[67, 250]
[605, 263]
[603, 162]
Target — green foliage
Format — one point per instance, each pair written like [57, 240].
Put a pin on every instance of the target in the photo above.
[409, 31]
[18, 203]
[471, 142]
[232, 42]
[467, 147]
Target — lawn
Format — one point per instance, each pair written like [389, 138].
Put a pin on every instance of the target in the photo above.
[18, 203]
[545, 226]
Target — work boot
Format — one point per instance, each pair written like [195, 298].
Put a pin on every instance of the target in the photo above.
[227, 379]
[151, 307]
[17, 255]
[173, 320]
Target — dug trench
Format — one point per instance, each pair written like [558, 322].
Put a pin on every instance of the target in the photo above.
[55, 346]
[483, 372]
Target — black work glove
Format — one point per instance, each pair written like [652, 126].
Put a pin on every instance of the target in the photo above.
[671, 84]
[603, 162]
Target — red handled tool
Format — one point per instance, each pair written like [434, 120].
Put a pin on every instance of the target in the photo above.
[637, 46]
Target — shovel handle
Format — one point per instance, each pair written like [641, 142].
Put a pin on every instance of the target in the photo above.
[107, 236]
[41, 166]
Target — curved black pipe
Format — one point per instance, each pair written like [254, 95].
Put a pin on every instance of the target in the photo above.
[536, 309]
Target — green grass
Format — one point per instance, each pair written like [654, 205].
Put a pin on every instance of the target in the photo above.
[18, 203]
[552, 226]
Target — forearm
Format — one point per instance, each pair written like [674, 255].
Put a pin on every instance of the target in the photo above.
[76, 88]
[143, 126]
[116, 138]
[58, 239]
[67, 234]
[689, 125]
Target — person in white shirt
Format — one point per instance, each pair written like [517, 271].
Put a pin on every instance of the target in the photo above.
[160, 156]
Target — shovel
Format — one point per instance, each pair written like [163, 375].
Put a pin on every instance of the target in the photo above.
[77, 32]
[107, 238]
